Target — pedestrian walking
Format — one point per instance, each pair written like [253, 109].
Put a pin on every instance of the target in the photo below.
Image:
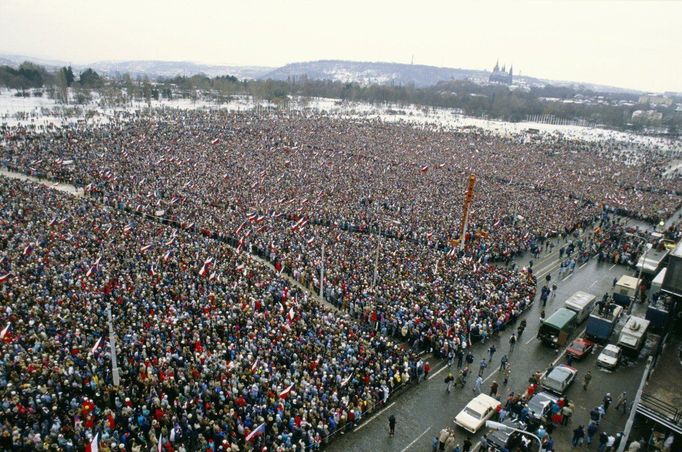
[603, 439]
[460, 379]
[592, 428]
[391, 425]
[503, 362]
[607, 401]
[507, 373]
[622, 401]
[493, 389]
[481, 367]
[512, 342]
[578, 436]
[449, 380]
[586, 379]
[477, 384]
[427, 369]
[491, 351]
[460, 358]
[566, 413]
[521, 328]
[466, 446]
[542, 315]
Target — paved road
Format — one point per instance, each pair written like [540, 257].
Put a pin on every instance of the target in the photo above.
[423, 411]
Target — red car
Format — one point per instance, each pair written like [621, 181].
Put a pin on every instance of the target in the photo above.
[580, 348]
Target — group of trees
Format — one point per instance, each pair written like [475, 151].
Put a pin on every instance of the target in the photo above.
[492, 101]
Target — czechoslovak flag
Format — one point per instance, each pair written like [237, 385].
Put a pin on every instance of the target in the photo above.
[99, 341]
[285, 393]
[256, 432]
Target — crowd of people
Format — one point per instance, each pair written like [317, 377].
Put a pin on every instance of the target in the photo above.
[218, 349]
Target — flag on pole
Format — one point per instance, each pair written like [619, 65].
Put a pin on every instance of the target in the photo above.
[4, 331]
[28, 249]
[99, 341]
[346, 380]
[4, 278]
[256, 432]
[254, 365]
[146, 248]
[94, 444]
[424, 168]
[285, 393]
[159, 447]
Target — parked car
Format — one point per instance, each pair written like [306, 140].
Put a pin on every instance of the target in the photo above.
[540, 403]
[609, 357]
[476, 412]
[506, 440]
[559, 379]
[580, 348]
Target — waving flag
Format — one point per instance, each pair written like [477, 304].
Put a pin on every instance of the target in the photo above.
[215, 141]
[4, 278]
[28, 250]
[94, 444]
[255, 365]
[424, 168]
[5, 330]
[146, 248]
[99, 341]
[256, 432]
[285, 393]
[168, 255]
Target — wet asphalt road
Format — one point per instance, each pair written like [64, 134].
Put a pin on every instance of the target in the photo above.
[423, 411]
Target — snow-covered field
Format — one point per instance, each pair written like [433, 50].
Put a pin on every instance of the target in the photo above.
[40, 111]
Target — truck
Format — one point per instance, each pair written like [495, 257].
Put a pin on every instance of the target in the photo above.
[625, 290]
[658, 281]
[633, 335]
[652, 261]
[602, 321]
[557, 329]
[582, 303]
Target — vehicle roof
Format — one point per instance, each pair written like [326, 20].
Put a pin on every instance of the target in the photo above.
[613, 347]
[560, 317]
[484, 400]
[562, 371]
[580, 299]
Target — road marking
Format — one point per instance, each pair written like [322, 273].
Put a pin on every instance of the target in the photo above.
[583, 265]
[531, 340]
[567, 276]
[594, 283]
[491, 374]
[438, 371]
[416, 439]
[373, 417]
[611, 267]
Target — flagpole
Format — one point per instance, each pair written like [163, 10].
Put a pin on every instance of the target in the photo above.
[112, 343]
[376, 268]
[322, 274]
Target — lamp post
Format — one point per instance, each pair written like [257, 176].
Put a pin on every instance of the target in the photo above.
[505, 428]
[112, 344]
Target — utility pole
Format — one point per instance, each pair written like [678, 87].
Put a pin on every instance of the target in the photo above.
[322, 275]
[112, 344]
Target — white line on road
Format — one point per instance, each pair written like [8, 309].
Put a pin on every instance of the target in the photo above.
[438, 371]
[611, 267]
[567, 276]
[531, 340]
[373, 417]
[583, 265]
[416, 439]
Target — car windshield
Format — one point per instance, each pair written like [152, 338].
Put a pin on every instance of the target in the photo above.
[610, 353]
[579, 346]
[559, 374]
[472, 413]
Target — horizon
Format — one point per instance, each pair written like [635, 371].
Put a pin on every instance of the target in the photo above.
[609, 43]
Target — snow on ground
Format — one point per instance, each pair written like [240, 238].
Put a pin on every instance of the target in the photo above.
[40, 111]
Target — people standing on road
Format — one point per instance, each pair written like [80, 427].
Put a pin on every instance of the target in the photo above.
[607, 401]
[460, 380]
[503, 362]
[569, 359]
[491, 351]
[622, 401]
[578, 436]
[521, 328]
[586, 379]
[603, 439]
[566, 413]
[507, 373]
[427, 369]
[592, 428]
[470, 357]
[460, 358]
[391, 425]
[554, 288]
[493, 389]
[449, 380]
[542, 315]
[512, 342]
[481, 367]
[466, 446]
[477, 384]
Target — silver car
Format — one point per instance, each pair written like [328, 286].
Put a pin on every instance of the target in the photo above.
[559, 378]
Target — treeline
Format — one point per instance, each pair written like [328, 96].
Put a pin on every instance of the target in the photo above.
[488, 101]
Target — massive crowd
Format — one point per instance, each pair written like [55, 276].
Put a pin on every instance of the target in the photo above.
[214, 344]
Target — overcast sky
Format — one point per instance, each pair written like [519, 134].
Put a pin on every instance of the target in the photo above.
[620, 43]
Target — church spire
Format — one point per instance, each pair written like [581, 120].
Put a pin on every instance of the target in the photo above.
[497, 66]
[511, 70]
